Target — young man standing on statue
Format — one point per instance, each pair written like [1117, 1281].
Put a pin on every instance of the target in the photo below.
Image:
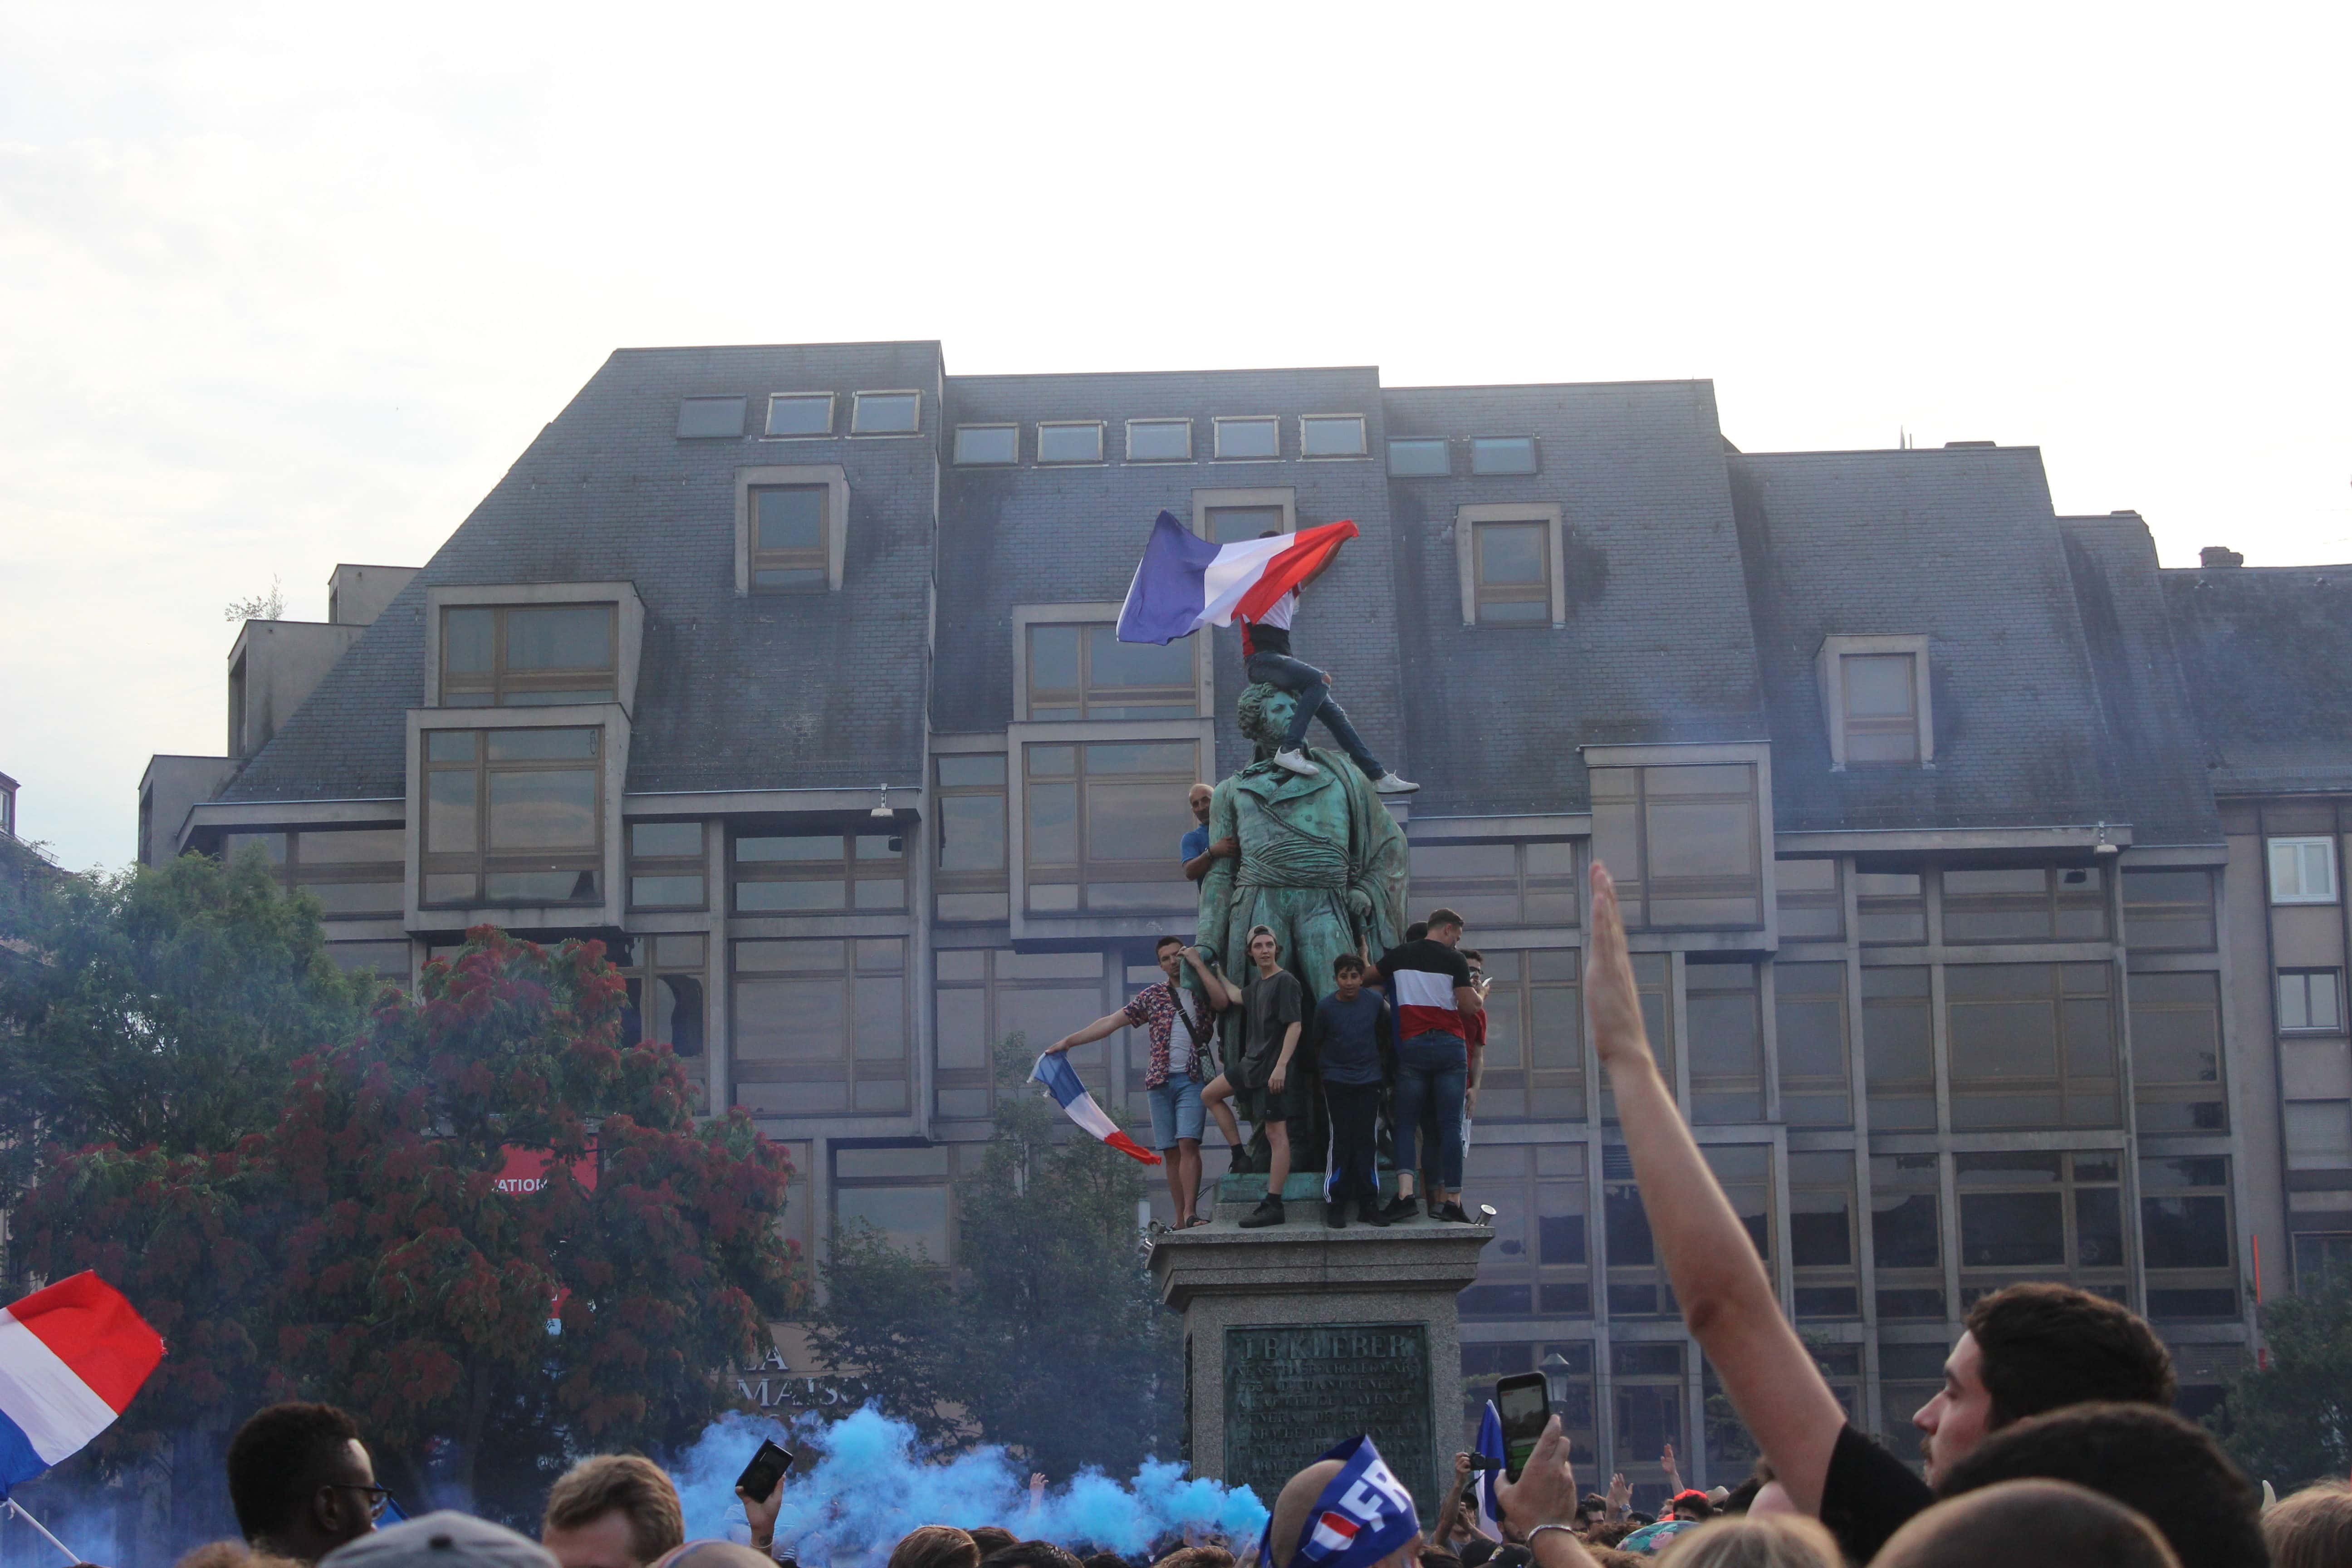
[1266, 656]
[1430, 984]
[1272, 1011]
[1352, 1036]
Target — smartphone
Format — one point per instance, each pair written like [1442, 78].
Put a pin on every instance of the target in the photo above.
[769, 1465]
[1524, 1402]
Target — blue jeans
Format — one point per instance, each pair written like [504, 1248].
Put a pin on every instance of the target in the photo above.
[1433, 1067]
[1306, 683]
[1175, 1111]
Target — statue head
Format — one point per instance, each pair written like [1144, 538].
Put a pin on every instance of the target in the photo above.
[1264, 712]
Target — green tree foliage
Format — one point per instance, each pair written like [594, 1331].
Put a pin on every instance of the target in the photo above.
[161, 1008]
[1048, 1336]
[361, 1248]
[2291, 1423]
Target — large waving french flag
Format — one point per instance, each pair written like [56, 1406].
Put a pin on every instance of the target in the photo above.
[70, 1358]
[1186, 583]
[1054, 1071]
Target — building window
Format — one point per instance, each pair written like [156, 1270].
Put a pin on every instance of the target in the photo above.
[385, 959]
[1683, 841]
[2303, 870]
[1638, 1287]
[1102, 826]
[2184, 1231]
[666, 1002]
[1649, 1390]
[1070, 441]
[1534, 1063]
[2176, 1052]
[2026, 904]
[355, 873]
[2321, 1258]
[800, 414]
[513, 817]
[1255, 437]
[1654, 981]
[667, 869]
[979, 446]
[528, 656]
[887, 414]
[986, 997]
[967, 880]
[1419, 457]
[1331, 436]
[1891, 908]
[1499, 885]
[2311, 1000]
[1081, 671]
[704, 416]
[1906, 1235]
[1539, 1264]
[2169, 911]
[2318, 1134]
[1744, 1173]
[2028, 1215]
[1160, 440]
[1822, 1247]
[901, 1194]
[1502, 454]
[1898, 1050]
[1809, 1010]
[809, 873]
[1233, 524]
[1812, 904]
[821, 1027]
[1880, 714]
[1726, 1043]
[1513, 566]
[2034, 1045]
[788, 538]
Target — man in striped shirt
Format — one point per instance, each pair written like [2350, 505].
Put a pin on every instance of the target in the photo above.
[1429, 983]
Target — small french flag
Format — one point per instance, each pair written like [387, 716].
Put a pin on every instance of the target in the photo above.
[1333, 1532]
[1054, 1071]
[71, 1356]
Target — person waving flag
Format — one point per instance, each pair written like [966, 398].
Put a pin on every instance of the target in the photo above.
[70, 1358]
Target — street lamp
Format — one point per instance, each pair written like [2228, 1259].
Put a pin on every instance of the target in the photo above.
[1555, 1372]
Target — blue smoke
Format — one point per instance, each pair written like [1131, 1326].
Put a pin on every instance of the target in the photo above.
[863, 1482]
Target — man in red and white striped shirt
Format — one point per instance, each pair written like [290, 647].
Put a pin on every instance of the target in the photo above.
[1429, 983]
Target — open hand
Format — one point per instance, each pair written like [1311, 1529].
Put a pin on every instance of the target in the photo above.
[1609, 994]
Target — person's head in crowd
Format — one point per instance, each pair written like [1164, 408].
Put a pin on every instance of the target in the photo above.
[714, 1555]
[1789, 1542]
[935, 1546]
[1347, 976]
[1200, 797]
[992, 1538]
[442, 1539]
[1590, 1510]
[1444, 927]
[2029, 1524]
[612, 1510]
[1416, 931]
[1476, 1551]
[1739, 1499]
[301, 1481]
[1610, 1534]
[1691, 1503]
[2035, 1348]
[2145, 1458]
[1297, 1500]
[1197, 1557]
[1031, 1554]
[2313, 1529]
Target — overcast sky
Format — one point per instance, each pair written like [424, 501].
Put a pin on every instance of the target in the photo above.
[285, 287]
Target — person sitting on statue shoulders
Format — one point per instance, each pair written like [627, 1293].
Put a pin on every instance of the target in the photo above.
[1273, 1011]
[1265, 649]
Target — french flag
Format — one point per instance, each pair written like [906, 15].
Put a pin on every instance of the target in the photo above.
[1186, 583]
[1054, 1071]
[70, 1358]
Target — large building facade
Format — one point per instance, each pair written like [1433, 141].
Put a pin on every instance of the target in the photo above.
[1984, 879]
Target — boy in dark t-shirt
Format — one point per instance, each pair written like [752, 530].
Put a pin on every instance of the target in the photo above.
[1352, 1036]
[1272, 1011]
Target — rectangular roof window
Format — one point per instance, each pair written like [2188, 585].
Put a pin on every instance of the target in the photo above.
[1074, 442]
[800, 414]
[1419, 457]
[1254, 436]
[887, 414]
[710, 416]
[1331, 436]
[978, 445]
[1158, 440]
[1502, 455]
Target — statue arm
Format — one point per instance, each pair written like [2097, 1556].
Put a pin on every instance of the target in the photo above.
[1217, 887]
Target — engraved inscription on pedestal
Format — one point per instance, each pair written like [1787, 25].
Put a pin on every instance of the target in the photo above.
[1293, 1391]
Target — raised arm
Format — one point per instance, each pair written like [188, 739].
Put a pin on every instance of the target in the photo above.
[1108, 1024]
[1727, 1299]
[1209, 986]
[1222, 850]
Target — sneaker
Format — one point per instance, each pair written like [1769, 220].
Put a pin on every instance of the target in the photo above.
[1373, 1214]
[1388, 784]
[1405, 1207]
[1295, 762]
[1268, 1212]
[1452, 1214]
[1335, 1214]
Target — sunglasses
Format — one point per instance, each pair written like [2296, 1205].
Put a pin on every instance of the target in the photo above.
[380, 1499]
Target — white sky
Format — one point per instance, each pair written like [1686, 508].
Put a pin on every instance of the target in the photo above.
[285, 286]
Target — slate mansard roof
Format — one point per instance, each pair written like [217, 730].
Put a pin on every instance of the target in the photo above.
[2268, 655]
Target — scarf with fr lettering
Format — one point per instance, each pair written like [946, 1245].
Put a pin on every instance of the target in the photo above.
[1362, 1517]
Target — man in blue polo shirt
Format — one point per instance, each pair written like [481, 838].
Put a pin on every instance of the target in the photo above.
[1196, 851]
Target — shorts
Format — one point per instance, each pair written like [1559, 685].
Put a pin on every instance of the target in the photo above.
[1262, 1105]
[1175, 1111]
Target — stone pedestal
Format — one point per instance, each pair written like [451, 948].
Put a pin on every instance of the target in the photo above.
[1298, 1337]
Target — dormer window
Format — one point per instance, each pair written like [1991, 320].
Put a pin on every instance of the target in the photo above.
[528, 656]
[1874, 695]
[800, 414]
[887, 414]
[788, 551]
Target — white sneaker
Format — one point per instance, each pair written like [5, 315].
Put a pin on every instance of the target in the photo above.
[1296, 762]
[1388, 784]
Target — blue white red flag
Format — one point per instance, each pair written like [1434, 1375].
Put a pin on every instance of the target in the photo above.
[1185, 582]
[70, 1358]
[1054, 1071]
[1490, 1444]
[1363, 1515]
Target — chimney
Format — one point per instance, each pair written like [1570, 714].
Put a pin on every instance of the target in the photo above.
[2220, 555]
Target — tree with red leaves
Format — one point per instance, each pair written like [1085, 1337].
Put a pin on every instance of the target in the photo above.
[362, 1250]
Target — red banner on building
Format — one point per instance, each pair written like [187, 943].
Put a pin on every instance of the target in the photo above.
[525, 1171]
